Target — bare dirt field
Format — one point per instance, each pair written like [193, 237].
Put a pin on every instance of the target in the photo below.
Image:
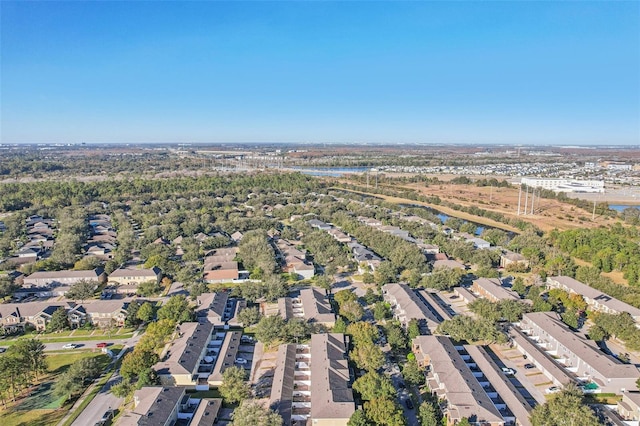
[547, 214]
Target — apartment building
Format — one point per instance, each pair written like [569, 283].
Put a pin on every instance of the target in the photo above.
[134, 276]
[450, 378]
[312, 383]
[312, 305]
[597, 300]
[492, 290]
[407, 305]
[579, 356]
[62, 278]
[169, 406]
[181, 365]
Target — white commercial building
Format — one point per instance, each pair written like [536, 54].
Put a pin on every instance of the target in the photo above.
[564, 185]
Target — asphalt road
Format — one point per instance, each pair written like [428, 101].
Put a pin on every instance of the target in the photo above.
[91, 344]
[102, 402]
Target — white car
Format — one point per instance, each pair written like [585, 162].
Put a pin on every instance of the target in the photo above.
[508, 371]
[69, 346]
[552, 389]
[241, 361]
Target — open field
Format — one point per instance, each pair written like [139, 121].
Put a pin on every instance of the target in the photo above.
[548, 214]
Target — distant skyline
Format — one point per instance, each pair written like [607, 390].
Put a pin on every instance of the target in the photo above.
[519, 72]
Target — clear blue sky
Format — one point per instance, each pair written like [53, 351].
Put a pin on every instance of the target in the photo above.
[479, 72]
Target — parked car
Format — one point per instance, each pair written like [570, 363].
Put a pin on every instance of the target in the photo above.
[508, 371]
[408, 403]
[241, 361]
[3, 350]
[69, 346]
[529, 366]
[102, 345]
[552, 389]
[246, 339]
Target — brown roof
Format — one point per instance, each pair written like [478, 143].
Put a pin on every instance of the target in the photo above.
[331, 396]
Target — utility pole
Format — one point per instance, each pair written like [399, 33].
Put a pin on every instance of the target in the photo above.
[519, 198]
[593, 216]
[533, 194]
[526, 200]
[491, 194]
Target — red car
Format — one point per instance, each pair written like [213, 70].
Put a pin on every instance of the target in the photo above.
[102, 345]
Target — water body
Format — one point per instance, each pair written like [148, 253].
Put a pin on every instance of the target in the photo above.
[621, 207]
[443, 217]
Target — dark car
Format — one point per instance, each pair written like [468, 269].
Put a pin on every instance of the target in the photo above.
[408, 403]
[529, 366]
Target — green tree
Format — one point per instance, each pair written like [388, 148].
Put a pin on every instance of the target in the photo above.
[564, 408]
[598, 333]
[374, 385]
[31, 354]
[358, 418]
[396, 336]
[340, 326]
[296, 329]
[344, 296]
[381, 310]
[252, 413]
[132, 314]
[137, 361]
[73, 381]
[149, 288]
[249, 316]
[270, 329]
[146, 312]
[385, 273]
[82, 290]
[384, 412]
[362, 333]
[428, 414]
[176, 309]
[233, 388]
[368, 357]
[352, 310]
[413, 373]
[413, 329]
[59, 320]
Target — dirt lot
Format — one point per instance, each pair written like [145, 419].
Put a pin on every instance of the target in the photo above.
[548, 214]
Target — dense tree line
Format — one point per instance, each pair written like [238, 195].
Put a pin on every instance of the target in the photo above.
[402, 254]
[474, 331]
[507, 310]
[608, 249]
